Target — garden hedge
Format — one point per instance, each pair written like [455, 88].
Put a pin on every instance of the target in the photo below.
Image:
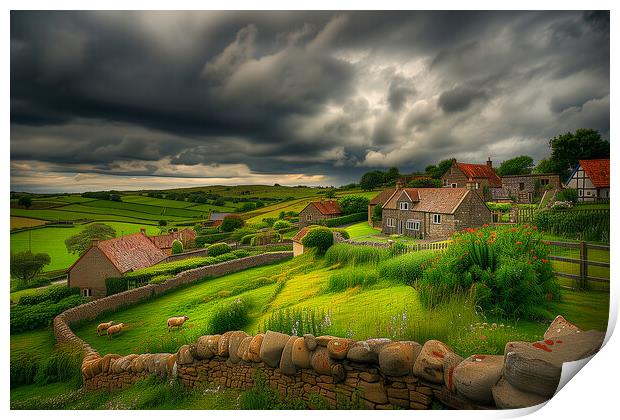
[338, 221]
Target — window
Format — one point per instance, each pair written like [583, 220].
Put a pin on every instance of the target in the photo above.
[404, 205]
[413, 224]
[308, 217]
[86, 293]
[544, 181]
[477, 185]
[588, 193]
[454, 185]
[436, 219]
[521, 186]
[390, 222]
[580, 193]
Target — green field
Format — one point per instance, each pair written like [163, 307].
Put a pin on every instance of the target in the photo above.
[51, 240]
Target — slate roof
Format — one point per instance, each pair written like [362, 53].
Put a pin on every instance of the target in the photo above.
[329, 207]
[300, 235]
[473, 171]
[431, 200]
[382, 197]
[131, 252]
[165, 241]
[597, 170]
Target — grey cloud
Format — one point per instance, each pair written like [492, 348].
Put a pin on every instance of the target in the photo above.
[459, 98]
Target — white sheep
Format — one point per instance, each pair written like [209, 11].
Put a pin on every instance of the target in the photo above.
[115, 329]
[176, 321]
[104, 326]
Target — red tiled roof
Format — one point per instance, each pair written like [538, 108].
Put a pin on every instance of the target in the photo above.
[327, 207]
[300, 235]
[431, 200]
[131, 252]
[165, 241]
[473, 171]
[382, 197]
[597, 170]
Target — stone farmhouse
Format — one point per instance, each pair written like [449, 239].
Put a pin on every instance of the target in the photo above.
[591, 180]
[480, 178]
[112, 258]
[433, 213]
[379, 200]
[319, 210]
[525, 189]
[164, 242]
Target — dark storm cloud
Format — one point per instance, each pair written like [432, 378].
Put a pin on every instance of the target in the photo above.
[166, 93]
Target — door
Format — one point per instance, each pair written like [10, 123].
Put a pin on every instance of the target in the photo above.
[400, 227]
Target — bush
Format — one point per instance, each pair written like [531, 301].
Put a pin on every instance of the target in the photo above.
[30, 317]
[377, 213]
[218, 249]
[229, 256]
[506, 269]
[114, 285]
[568, 194]
[351, 204]
[229, 317]
[406, 268]
[247, 239]
[160, 279]
[241, 253]
[50, 294]
[342, 232]
[177, 247]
[320, 238]
[281, 224]
[343, 220]
[350, 278]
[231, 222]
[355, 254]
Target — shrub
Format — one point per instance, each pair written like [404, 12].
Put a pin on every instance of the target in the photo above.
[229, 317]
[114, 285]
[49, 294]
[353, 204]
[568, 194]
[177, 247]
[228, 256]
[355, 254]
[231, 222]
[30, 317]
[377, 213]
[350, 278]
[406, 268]
[320, 238]
[270, 220]
[219, 249]
[240, 253]
[342, 232]
[159, 279]
[247, 239]
[248, 206]
[343, 220]
[281, 224]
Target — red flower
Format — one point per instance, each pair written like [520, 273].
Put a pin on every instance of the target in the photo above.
[535, 257]
[485, 225]
[518, 243]
[483, 337]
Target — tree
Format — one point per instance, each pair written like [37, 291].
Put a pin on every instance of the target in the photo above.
[230, 223]
[25, 201]
[436, 171]
[330, 193]
[353, 204]
[546, 166]
[391, 175]
[177, 247]
[163, 223]
[568, 148]
[25, 266]
[424, 183]
[371, 180]
[320, 238]
[520, 165]
[79, 243]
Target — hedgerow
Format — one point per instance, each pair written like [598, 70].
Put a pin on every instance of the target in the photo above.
[219, 249]
[343, 220]
[30, 317]
[406, 268]
[578, 224]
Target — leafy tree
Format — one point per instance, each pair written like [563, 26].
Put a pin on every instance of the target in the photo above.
[230, 223]
[25, 201]
[520, 165]
[436, 171]
[424, 183]
[177, 247]
[391, 175]
[25, 266]
[377, 213]
[371, 180]
[163, 223]
[248, 206]
[353, 204]
[330, 193]
[568, 148]
[79, 243]
[547, 166]
[219, 202]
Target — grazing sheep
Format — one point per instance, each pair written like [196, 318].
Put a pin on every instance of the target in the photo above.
[115, 329]
[104, 326]
[177, 321]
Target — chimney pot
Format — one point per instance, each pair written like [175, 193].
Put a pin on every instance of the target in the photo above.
[489, 162]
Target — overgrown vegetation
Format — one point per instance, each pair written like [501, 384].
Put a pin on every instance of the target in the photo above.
[298, 321]
[320, 238]
[354, 254]
[63, 365]
[573, 223]
[230, 317]
[351, 277]
[406, 268]
[262, 397]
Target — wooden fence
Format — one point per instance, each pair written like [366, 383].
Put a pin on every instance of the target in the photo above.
[577, 257]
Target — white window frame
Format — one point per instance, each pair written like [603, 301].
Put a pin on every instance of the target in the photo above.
[403, 205]
[390, 222]
[454, 185]
[412, 224]
[308, 217]
[436, 219]
[86, 292]
[477, 185]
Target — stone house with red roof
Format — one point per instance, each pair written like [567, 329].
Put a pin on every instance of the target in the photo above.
[480, 178]
[164, 242]
[319, 210]
[378, 200]
[112, 258]
[433, 213]
[298, 247]
[591, 180]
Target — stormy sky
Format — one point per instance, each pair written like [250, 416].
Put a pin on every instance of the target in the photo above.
[129, 100]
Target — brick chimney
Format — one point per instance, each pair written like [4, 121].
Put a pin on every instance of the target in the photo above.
[489, 162]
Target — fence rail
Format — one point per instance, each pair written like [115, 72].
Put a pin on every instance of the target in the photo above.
[583, 261]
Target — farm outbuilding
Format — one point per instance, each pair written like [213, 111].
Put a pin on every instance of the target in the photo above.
[164, 242]
[319, 210]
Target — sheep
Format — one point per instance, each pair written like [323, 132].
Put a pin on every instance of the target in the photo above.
[115, 329]
[104, 326]
[177, 321]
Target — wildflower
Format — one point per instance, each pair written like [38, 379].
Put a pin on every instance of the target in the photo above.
[483, 337]
[535, 257]
[485, 225]
[466, 253]
[534, 228]
[477, 242]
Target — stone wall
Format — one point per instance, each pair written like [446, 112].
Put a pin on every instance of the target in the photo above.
[373, 374]
[201, 252]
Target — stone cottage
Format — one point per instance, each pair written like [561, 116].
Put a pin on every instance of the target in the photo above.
[526, 189]
[112, 258]
[591, 180]
[298, 247]
[480, 178]
[164, 242]
[379, 200]
[319, 210]
[433, 213]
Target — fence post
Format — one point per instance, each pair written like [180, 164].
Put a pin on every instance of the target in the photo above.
[583, 264]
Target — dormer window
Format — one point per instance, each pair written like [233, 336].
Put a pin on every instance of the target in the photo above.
[404, 205]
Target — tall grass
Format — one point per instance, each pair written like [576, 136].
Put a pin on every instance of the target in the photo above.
[406, 268]
[353, 254]
[64, 365]
[351, 277]
[262, 397]
[230, 317]
[168, 342]
[299, 321]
